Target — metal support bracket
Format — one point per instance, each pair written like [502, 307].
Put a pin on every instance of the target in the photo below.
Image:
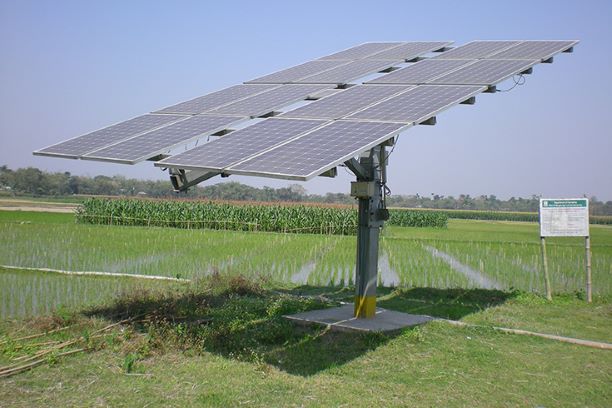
[429, 122]
[333, 172]
[182, 180]
[358, 170]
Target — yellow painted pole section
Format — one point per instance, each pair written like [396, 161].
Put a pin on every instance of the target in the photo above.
[365, 306]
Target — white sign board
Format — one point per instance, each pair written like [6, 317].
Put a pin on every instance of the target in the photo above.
[564, 217]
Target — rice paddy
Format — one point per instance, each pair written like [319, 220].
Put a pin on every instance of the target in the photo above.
[468, 254]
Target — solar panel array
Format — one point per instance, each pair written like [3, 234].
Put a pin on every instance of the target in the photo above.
[298, 72]
[529, 50]
[485, 72]
[158, 141]
[417, 104]
[361, 51]
[317, 136]
[345, 102]
[216, 99]
[348, 72]
[477, 49]
[241, 144]
[269, 101]
[421, 72]
[315, 152]
[410, 51]
[95, 140]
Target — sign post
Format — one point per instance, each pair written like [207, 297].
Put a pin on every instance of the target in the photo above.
[565, 218]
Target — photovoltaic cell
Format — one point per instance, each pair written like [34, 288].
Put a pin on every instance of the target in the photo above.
[421, 72]
[216, 99]
[345, 102]
[318, 151]
[158, 141]
[240, 144]
[348, 72]
[417, 104]
[270, 101]
[298, 72]
[409, 51]
[530, 50]
[82, 145]
[477, 49]
[485, 72]
[361, 51]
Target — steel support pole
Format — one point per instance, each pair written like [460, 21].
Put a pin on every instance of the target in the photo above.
[371, 218]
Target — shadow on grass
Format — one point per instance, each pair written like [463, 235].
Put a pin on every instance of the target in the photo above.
[243, 321]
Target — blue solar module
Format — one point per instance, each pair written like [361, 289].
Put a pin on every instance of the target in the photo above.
[240, 144]
[361, 51]
[531, 50]
[270, 101]
[318, 151]
[216, 99]
[82, 145]
[409, 51]
[345, 102]
[485, 72]
[477, 49]
[348, 72]
[417, 104]
[298, 72]
[159, 141]
[421, 72]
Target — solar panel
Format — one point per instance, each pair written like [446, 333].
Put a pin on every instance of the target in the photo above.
[298, 72]
[81, 145]
[361, 51]
[476, 49]
[348, 72]
[485, 72]
[152, 143]
[319, 150]
[345, 102]
[240, 144]
[409, 51]
[216, 99]
[421, 72]
[269, 101]
[418, 104]
[324, 93]
[530, 50]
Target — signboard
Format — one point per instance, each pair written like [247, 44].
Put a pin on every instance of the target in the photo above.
[564, 217]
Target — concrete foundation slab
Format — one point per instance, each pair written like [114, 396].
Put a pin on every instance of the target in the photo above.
[341, 318]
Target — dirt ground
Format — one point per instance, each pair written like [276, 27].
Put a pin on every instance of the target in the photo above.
[36, 206]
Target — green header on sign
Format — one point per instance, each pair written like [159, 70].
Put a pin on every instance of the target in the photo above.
[564, 203]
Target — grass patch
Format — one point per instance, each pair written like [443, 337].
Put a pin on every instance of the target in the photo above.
[222, 342]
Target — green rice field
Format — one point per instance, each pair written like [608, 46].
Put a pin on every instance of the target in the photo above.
[469, 254]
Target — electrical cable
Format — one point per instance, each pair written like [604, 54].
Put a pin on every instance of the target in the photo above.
[519, 79]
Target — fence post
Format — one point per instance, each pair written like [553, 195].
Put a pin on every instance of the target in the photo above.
[589, 289]
[545, 264]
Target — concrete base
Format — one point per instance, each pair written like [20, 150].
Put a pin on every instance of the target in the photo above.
[341, 318]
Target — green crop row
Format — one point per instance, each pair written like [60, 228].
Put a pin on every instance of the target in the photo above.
[416, 218]
[240, 217]
[499, 215]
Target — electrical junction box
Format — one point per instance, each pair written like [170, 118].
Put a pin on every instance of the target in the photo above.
[363, 189]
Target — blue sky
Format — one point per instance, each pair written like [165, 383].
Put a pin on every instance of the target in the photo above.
[71, 67]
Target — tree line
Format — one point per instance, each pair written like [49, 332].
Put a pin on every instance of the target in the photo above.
[32, 181]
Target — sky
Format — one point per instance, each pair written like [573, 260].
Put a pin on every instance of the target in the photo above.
[68, 68]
